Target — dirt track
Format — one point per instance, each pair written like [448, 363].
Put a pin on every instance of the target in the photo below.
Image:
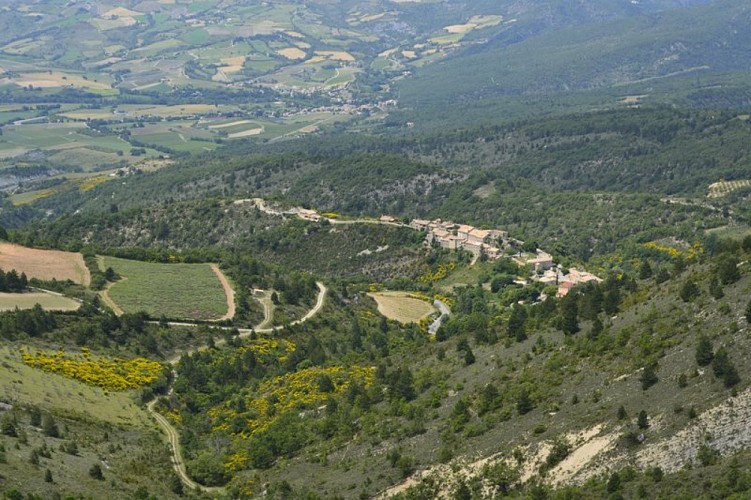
[228, 291]
[172, 435]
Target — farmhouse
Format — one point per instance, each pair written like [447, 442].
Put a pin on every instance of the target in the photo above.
[308, 214]
[564, 289]
[387, 218]
[542, 261]
[573, 278]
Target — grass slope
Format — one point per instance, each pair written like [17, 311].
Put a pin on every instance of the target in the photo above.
[23, 384]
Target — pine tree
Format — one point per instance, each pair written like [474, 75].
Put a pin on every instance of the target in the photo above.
[689, 291]
[621, 413]
[724, 368]
[704, 351]
[47, 476]
[469, 357]
[49, 427]
[8, 426]
[642, 421]
[645, 270]
[516, 323]
[524, 404]
[727, 270]
[96, 472]
[569, 315]
[612, 301]
[715, 288]
[649, 376]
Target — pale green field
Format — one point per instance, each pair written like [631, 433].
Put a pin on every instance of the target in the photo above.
[21, 384]
[400, 307]
[49, 302]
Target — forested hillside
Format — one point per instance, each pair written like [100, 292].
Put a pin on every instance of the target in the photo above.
[644, 55]
[383, 249]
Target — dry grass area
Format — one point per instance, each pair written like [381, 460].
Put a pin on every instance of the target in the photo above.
[121, 12]
[91, 114]
[292, 53]
[400, 307]
[246, 133]
[44, 264]
[232, 64]
[719, 189]
[336, 55]
[633, 99]
[229, 124]
[140, 110]
[460, 28]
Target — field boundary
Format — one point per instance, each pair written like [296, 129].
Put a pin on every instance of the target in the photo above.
[229, 292]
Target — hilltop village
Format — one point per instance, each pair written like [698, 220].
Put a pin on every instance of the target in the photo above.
[490, 244]
[495, 243]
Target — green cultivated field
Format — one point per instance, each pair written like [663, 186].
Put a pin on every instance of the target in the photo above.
[190, 291]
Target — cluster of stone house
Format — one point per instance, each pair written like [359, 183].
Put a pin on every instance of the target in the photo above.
[453, 236]
[565, 282]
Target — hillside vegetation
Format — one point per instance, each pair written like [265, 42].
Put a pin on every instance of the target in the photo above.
[224, 196]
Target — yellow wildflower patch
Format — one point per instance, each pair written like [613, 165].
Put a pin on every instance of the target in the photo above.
[690, 254]
[291, 392]
[111, 374]
[93, 182]
[440, 272]
[238, 461]
[265, 346]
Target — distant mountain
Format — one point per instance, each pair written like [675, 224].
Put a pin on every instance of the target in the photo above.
[593, 46]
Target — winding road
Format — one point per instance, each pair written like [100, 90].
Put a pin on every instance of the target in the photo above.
[169, 429]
